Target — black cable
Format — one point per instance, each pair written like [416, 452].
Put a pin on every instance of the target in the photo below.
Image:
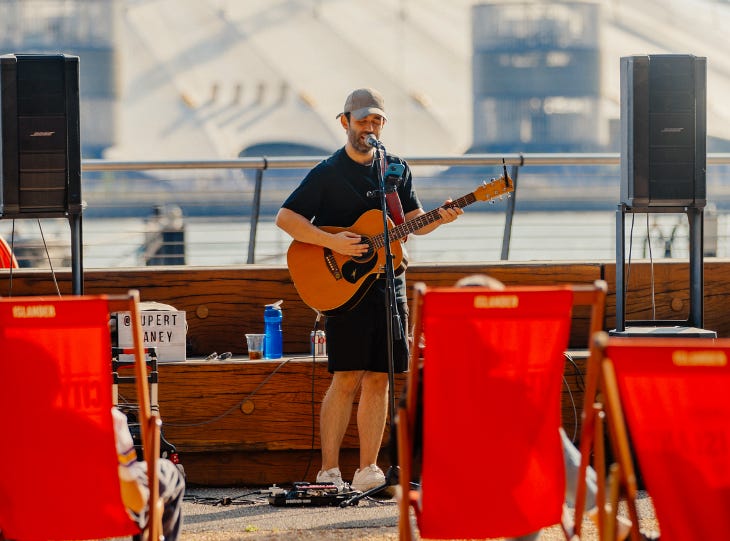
[12, 255]
[570, 394]
[238, 404]
[651, 269]
[628, 266]
[194, 498]
[48, 255]
[238, 499]
[580, 382]
[222, 500]
[379, 501]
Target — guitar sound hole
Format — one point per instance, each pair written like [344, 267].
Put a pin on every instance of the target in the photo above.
[367, 256]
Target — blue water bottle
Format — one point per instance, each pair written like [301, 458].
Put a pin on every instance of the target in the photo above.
[272, 329]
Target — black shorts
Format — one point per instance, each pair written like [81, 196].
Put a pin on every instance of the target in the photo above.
[357, 339]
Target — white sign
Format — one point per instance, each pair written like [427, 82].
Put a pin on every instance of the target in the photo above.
[162, 329]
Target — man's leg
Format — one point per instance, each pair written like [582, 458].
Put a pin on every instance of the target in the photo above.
[571, 456]
[172, 490]
[371, 415]
[335, 415]
[528, 537]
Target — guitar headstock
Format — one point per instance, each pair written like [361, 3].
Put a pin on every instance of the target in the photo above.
[495, 188]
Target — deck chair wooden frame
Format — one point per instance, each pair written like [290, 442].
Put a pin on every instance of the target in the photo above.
[680, 373]
[23, 319]
[592, 295]
[7, 258]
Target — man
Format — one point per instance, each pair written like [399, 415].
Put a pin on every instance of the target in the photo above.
[134, 485]
[335, 193]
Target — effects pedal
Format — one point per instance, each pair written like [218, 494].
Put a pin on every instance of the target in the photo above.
[305, 494]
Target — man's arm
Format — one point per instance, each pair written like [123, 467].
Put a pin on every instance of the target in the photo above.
[134, 496]
[301, 229]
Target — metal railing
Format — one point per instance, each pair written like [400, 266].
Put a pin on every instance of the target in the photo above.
[306, 162]
[263, 191]
[261, 164]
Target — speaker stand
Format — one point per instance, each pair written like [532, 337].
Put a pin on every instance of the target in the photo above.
[77, 254]
[693, 325]
[77, 248]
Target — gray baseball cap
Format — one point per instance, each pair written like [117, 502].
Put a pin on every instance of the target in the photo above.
[363, 102]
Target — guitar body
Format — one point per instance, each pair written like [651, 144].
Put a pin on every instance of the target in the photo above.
[331, 282]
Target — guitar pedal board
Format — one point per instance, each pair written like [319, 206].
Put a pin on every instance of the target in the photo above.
[305, 494]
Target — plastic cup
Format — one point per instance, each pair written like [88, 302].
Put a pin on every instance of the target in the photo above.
[255, 343]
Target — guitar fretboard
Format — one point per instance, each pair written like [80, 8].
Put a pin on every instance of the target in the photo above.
[406, 228]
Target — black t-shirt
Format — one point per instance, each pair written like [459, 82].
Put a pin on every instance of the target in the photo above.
[334, 193]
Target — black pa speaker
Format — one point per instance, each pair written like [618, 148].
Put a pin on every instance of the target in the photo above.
[663, 131]
[40, 158]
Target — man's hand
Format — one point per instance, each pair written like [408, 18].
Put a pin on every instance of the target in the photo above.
[348, 243]
[449, 214]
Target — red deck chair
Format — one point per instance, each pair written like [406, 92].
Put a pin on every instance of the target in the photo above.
[59, 477]
[669, 400]
[492, 461]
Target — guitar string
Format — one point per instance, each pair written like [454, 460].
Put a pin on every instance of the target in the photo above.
[423, 220]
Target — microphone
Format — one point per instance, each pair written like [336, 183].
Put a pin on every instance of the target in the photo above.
[371, 141]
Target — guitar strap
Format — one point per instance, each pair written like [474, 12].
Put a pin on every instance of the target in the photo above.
[394, 207]
[392, 200]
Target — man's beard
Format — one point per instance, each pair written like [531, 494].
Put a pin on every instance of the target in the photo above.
[357, 142]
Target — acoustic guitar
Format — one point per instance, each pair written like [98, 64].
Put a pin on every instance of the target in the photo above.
[331, 282]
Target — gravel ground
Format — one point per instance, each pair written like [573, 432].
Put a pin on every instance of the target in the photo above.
[229, 514]
[219, 514]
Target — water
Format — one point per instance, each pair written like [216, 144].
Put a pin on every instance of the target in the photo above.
[474, 237]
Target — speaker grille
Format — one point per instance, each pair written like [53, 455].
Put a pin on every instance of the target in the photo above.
[663, 132]
[41, 151]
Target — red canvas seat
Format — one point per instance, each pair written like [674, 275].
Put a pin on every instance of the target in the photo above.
[59, 476]
[492, 367]
[668, 401]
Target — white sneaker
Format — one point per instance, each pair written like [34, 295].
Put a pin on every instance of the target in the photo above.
[333, 476]
[368, 478]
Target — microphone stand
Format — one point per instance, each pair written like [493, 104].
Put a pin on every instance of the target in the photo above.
[394, 327]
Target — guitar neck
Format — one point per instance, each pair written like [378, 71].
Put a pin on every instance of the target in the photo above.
[406, 228]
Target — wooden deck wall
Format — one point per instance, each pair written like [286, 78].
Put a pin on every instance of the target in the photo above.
[257, 422]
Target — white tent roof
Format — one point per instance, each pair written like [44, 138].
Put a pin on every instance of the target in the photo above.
[209, 78]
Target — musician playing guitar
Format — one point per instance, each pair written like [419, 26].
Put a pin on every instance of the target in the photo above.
[334, 195]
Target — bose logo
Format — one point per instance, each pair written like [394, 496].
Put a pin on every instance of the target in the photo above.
[42, 133]
[672, 130]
